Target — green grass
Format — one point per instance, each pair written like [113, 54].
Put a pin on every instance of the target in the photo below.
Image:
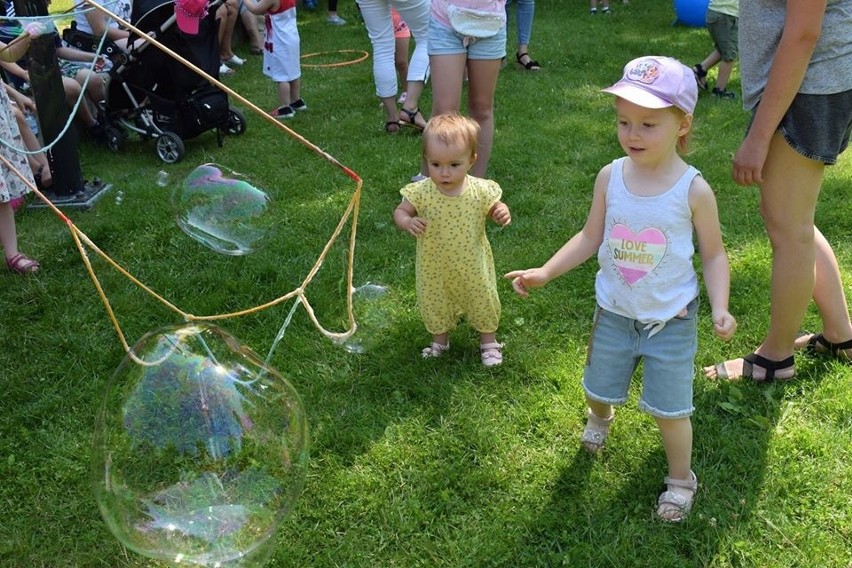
[433, 463]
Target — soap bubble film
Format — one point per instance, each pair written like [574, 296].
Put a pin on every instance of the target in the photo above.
[222, 210]
[200, 449]
[371, 304]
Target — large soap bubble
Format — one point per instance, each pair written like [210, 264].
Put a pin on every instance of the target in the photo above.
[221, 210]
[373, 308]
[200, 449]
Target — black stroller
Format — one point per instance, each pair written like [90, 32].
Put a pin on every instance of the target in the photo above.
[156, 96]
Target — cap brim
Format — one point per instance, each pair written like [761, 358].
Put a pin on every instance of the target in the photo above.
[637, 96]
[186, 24]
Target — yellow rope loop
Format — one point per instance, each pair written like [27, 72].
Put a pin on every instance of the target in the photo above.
[363, 56]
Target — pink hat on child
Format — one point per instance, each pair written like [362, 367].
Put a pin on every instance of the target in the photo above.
[657, 82]
[188, 13]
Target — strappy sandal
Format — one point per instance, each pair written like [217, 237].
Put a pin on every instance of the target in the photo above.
[491, 354]
[700, 76]
[753, 359]
[392, 126]
[819, 345]
[671, 502]
[530, 65]
[22, 264]
[412, 118]
[596, 432]
[435, 350]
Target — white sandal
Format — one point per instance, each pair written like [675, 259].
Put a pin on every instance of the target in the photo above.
[596, 432]
[677, 504]
[491, 354]
[435, 350]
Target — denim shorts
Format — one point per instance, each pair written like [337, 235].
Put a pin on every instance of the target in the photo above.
[723, 30]
[446, 41]
[818, 126]
[617, 346]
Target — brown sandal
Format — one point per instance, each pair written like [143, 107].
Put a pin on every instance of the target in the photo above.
[411, 121]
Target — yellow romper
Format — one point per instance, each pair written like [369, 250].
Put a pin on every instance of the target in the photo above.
[455, 267]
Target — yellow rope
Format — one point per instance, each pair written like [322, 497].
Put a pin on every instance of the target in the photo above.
[363, 55]
[81, 240]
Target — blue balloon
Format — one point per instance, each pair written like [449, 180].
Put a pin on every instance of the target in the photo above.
[691, 12]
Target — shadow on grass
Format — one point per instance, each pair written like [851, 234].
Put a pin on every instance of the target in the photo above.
[587, 522]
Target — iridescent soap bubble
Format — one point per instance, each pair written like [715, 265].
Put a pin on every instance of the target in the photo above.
[372, 306]
[221, 210]
[200, 450]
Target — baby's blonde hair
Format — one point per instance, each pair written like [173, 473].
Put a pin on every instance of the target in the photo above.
[451, 129]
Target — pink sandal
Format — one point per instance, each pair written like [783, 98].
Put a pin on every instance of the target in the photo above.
[22, 264]
[491, 354]
[435, 350]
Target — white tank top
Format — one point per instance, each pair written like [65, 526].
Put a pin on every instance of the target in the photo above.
[646, 269]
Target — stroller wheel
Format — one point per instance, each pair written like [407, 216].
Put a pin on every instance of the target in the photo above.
[114, 137]
[236, 122]
[170, 147]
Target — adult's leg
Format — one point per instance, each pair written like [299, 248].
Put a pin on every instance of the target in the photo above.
[379, 24]
[526, 12]
[829, 296]
[416, 15]
[788, 196]
[72, 93]
[482, 82]
[447, 79]
[227, 16]
[250, 23]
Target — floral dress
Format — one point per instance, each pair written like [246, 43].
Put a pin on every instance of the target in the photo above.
[455, 274]
[11, 186]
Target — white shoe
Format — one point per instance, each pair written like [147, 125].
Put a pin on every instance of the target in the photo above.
[402, 97]
[336, 20]
[225, 70]
[234, 60]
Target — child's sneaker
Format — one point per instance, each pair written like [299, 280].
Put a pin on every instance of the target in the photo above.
[299, 105]
[723, 94]
[283, 113]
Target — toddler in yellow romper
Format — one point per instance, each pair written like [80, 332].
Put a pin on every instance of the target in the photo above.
[447, 213]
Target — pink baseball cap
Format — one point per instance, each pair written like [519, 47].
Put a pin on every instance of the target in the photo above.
[188, 13]
[657, 82]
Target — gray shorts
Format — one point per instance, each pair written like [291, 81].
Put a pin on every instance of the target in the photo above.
[723, 31]
[818, 126]
[617, 346]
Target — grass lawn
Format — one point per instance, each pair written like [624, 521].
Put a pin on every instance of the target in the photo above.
[438, 462]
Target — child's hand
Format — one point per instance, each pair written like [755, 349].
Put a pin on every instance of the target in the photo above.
[416, 226]
[501, 215]
[724, 324]
[524, 280]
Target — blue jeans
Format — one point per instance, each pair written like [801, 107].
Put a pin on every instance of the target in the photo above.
[525, 12]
